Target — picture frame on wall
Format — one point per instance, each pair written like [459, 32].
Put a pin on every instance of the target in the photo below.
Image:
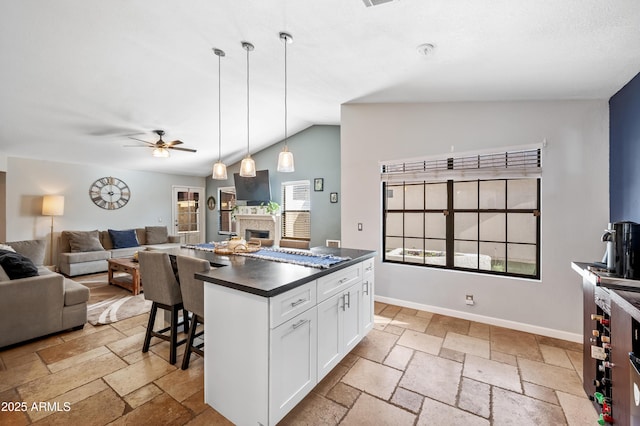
[318, 184]
[333, 197]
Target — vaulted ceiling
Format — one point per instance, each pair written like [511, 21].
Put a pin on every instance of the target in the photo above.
[80, 76]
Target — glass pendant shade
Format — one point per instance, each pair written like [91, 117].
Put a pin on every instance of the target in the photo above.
[248, 167]
[285, 161]
[161, 152]
[219, 171]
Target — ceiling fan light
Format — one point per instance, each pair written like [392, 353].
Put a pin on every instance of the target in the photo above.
[219, 171]
[285, 161]
[161, 152]
[248, 167]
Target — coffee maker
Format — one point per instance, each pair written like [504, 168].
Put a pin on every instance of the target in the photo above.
[623, 249]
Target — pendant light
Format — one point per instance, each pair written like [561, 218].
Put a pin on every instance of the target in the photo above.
[248, 166]
[285, 158]
[219, 168]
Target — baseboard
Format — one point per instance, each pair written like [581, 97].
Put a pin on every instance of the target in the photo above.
[543, 331]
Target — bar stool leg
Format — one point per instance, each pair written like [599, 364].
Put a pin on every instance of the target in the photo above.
[174, 334]
[152, 320]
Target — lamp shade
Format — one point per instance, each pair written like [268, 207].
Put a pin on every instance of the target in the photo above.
[160, 152]
[219, 171]
[285, 161]
[248, 167]
[53, 205]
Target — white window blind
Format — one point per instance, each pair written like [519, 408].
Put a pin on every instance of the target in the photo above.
[510, 163]
[296, 210]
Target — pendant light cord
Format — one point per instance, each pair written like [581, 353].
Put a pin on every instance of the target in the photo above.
[247, 102]
[219, 114]
[285, 92]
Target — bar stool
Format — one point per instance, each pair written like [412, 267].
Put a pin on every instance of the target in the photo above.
[162, 288]
[193, 299]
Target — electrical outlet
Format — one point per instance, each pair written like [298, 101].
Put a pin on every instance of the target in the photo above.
[469, 300]
[359, 226]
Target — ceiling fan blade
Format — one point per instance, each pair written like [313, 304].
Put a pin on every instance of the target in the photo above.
[140, 140]
[182, 149]
[176, 142]
[136, 146]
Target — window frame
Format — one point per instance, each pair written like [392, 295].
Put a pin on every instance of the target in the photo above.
[450, 214]
[284, 210]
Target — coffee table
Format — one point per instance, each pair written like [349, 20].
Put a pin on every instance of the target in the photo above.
[128, 266]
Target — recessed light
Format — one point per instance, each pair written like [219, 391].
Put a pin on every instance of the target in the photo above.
[425, 49]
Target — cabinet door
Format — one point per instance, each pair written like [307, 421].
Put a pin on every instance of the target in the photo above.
[293, 363]
[352, 321]
[366, 306]
[329, 334]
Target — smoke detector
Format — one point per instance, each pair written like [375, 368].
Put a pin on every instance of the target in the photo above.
[370, 3]
[425, 49]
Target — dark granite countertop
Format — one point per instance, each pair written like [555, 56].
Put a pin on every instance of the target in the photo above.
[268, 278]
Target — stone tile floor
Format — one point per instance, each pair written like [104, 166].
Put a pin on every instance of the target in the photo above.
[414, 368]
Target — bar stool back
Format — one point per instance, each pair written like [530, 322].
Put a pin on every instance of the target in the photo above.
[193, 298]
[162, 288]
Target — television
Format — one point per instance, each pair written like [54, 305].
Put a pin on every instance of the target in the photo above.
[253, 190]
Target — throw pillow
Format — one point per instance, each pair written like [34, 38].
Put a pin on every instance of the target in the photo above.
[124, 239]
[83, 241]
[16, 265]
[32, 249]
[156, 234]
[6, 247]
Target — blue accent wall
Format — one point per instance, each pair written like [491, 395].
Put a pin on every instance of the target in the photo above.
[624, 153]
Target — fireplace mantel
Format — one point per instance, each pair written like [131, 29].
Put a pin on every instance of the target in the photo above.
[260, 222]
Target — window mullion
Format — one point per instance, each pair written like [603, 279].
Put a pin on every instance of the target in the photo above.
[449, 225]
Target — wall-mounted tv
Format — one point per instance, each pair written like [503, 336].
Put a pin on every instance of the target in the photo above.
[253, 190]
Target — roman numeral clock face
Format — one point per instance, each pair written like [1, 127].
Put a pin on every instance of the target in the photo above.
[109, 193]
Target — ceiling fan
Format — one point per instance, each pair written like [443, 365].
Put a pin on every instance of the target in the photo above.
[161, 148]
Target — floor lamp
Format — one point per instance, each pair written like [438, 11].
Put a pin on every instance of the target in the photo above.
[52, 205]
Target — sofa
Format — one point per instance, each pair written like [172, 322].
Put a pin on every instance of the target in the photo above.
[87, 252]
[38, 305]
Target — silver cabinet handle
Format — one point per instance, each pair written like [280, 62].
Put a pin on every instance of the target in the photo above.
[348, 300]
[344, 280]
[299, 323]
[366, 287]
[344, 302]
[297, 302]
[369, 268]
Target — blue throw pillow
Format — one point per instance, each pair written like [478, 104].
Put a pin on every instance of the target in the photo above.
[16, 265]
[123, 239]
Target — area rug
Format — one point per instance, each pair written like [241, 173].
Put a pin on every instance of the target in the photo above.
[110, 303]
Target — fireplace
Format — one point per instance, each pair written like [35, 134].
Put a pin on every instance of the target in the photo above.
[263, 226]
[256, 233]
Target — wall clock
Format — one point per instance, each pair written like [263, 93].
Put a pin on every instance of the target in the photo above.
[109, 193]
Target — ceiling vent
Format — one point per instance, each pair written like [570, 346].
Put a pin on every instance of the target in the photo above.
[370, 3]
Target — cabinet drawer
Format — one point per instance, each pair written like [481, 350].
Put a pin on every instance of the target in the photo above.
[289, 304]
[336, 282]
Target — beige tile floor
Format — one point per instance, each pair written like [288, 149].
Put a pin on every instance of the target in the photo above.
[414, 368]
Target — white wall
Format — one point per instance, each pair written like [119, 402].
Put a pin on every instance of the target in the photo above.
[28, 180]
[574, 201]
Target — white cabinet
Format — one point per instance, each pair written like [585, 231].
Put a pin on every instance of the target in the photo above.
[366, 305]
[339, 327]
[293, 363]
[265, 354]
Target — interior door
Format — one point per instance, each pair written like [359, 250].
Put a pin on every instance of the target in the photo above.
[188, 220]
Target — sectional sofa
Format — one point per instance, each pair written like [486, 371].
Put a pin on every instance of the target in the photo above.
[87, 252]
[38, 305]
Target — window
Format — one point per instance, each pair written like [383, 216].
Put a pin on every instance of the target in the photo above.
[227, 201]
[296, 210]
[489, 225]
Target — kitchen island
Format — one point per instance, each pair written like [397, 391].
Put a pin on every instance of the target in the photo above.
[274, 330]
